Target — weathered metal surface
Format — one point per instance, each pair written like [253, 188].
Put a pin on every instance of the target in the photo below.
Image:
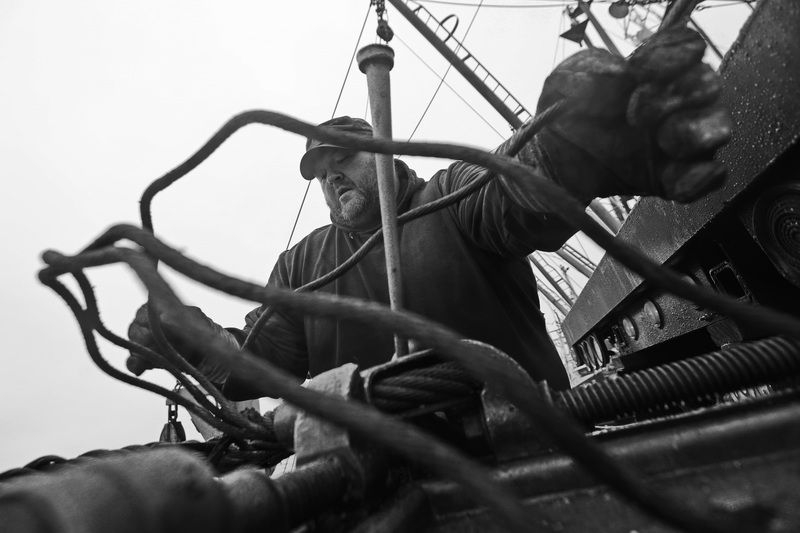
[406, 511]
[743, 457]
[314, 437]
[148, 491]
[259, 503]
[760, 75]
[509, 433]
[376, 61]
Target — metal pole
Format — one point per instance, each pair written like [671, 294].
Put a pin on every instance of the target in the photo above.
[554, 300]
[705, 36]
[702, 33]
[376, 60]
[565, 276]
[564, 254]
[600, 30]
[603, 214]
[550, 279]
[676, 11]
[616, 205]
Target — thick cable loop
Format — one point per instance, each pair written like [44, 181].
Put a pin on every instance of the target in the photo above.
[530, 189]
[227, 415]
[406, 440]
[552, 196]
[510, 148]
[683, 514]
[226, 409]
[86, 323]
[409, 442]
[423, 389]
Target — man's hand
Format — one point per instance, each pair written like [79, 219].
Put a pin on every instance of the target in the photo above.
[646, 126]
[140, 332]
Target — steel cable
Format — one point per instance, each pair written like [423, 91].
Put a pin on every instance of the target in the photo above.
[527, 187]
[522, 181]
[86, 325]
[227, 411]
[692, 516]
[333, 114]
[174, 364]
[421, 390]
[510, 148]
[683, 514]
[395, 435]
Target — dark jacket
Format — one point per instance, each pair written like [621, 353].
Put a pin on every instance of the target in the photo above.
[464, 267]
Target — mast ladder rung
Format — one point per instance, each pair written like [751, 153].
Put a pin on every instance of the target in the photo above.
[464, 55]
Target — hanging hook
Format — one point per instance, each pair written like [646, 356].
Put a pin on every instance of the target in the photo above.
[384, 32]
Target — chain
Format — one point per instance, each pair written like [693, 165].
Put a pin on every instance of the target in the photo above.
[384, 32]
[380, 7]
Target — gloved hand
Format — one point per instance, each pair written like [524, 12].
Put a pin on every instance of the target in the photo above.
[646, 126]
[139, 332]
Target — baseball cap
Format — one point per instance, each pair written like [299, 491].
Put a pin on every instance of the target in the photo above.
[344, 124]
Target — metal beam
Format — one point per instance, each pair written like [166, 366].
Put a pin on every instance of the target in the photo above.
[479, 85]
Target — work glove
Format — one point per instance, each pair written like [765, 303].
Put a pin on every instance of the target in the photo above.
[139, 332]
[646, 126]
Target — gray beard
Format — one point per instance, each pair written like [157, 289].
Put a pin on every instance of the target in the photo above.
[361, 210]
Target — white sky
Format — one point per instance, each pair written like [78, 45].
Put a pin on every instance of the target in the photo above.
[100, 98]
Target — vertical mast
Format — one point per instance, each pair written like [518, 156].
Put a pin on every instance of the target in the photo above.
[376, 60]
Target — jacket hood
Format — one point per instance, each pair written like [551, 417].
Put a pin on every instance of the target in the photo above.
[408, 184]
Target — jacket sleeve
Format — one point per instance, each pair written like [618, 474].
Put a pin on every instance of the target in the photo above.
[281, 342]
[492, 221]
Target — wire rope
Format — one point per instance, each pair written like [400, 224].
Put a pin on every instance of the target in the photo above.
[510, 148]
[402, 438]
[558, 39]
[527, 187]
[507, 6]
[333, 114]
[692, 515]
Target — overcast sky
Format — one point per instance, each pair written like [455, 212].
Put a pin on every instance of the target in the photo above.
[100, 98]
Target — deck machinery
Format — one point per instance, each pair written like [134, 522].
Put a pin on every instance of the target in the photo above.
[722, 429]
[739, 449]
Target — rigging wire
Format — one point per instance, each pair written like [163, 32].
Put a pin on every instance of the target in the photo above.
[544, 5]
[467, 4]
[761, 317]
[558, 39]
[478, 113]
[729, 4]
[333, 114]
[510, 147]
[449, 66]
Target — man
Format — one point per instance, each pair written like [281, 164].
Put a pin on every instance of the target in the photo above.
[635, 128]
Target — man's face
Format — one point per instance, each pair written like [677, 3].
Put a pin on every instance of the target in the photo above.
[350, 184]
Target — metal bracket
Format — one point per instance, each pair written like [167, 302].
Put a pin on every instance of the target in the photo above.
[315, 437]
[509, 433]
